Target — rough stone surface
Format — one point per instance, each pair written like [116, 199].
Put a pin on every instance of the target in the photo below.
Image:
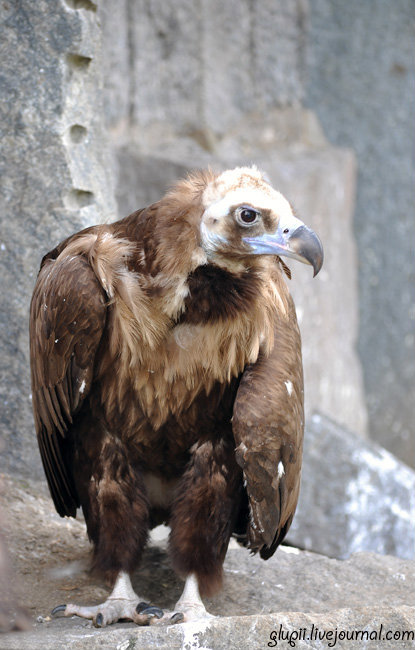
[368, 628]
[55, 176]
[191, 65]
[294, 589]
[143, 179]
[355, 496]
[361, 83]
[116, 58]
[319, 180]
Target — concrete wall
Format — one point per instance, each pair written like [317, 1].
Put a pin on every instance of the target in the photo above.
[190, 64]
[361, 84]
[55, 175]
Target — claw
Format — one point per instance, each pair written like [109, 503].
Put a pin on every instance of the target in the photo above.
[58, 608]
[142, 605]
[99, 620]
[178, 617]
[153, 611]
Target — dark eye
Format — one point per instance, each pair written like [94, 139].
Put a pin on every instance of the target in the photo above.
[247, 216]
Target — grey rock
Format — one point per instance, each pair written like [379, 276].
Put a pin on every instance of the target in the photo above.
[190, 66]
[243, 70]
[116, 57]
[165, 66]
[279, 44]
[56, 558]
[361, 82]
[355, 496]
[143, 179]
[56, 177]
[368, 628]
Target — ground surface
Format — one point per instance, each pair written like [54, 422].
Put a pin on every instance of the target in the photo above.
[50, 556]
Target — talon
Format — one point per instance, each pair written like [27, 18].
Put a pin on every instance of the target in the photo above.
[152, 611]
[141, 606]
[99, 620]
[178, 617]
[58, 608]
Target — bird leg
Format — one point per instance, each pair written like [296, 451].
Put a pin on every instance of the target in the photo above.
[123, 603]
[189, 607]
[190, 602]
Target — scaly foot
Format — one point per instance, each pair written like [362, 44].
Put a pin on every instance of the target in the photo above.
[122, 604]
[188, 608]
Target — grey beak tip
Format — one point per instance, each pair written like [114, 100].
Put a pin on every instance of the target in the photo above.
[318, 264]
[308, 245]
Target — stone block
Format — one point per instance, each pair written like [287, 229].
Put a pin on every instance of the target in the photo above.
[143, 179]
[355, 496]
[361, 82]
[279, 42]
[227, 55]
[55, 173]
[365, 627]
[116, 56]
[165, 66]
[192, 66]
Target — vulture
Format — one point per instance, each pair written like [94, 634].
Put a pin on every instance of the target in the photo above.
[167, 383]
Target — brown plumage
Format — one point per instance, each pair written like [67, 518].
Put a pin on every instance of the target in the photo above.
[167, 376]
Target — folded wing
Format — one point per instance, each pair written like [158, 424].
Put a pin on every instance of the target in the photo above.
[268, 430]
[67, 319]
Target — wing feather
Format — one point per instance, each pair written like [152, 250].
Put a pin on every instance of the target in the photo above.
[268, 429]
[67, 318]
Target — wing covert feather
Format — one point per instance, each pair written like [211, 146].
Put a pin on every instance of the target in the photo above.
[67, 318]
[268, 422]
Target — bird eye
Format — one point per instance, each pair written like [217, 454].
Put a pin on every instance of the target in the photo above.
[247, 216]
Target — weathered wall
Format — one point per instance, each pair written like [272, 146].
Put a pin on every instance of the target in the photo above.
[361, 83]
[190, 65]
[54, 172]
[370, 505]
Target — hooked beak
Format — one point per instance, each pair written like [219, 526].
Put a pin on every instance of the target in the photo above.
[300, 242]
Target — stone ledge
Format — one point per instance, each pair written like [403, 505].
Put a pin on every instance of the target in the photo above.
[370, 626]
[370, 505]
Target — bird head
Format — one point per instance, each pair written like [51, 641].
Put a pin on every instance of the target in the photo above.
[244, 217]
